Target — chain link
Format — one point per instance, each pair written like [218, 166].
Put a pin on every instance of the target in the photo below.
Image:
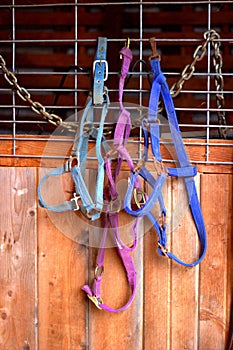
[210, 36]
[37, 107]
[25, 95]
[219, 85]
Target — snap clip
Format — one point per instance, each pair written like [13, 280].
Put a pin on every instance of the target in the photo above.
[75, 200]
[96, 301]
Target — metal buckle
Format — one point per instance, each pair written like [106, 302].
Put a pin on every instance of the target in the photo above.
[96, 301]
[106, 67]
[147, 123]
[88, 214]
[159, 167]
[71, 162]
[99, 270]
[142, 201]
[88, 126]
[163, 220]
[75, 200]
[163, 249]
[139, 165]
[116, 202]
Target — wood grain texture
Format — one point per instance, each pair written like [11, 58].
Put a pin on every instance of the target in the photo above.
[215, 282]
[184, 280]
[175, 307]
[61, 273]
[124, 329]
[51, 152]
[18, 272]
[157, 286]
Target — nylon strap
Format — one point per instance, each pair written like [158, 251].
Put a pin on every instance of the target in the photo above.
[90, 207]
[121, 135]
[150, 127]
[100, 71]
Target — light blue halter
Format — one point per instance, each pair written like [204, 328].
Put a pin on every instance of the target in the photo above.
[82, 200]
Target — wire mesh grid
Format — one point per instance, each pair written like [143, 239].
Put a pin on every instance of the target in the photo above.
[50, 47]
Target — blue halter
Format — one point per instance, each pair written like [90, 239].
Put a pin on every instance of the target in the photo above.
[150, 128]
[82, 199]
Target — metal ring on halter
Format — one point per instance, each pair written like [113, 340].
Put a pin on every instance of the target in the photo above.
[139, 201]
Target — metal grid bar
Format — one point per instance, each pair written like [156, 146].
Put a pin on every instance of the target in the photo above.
[139, 41]
[116, 3]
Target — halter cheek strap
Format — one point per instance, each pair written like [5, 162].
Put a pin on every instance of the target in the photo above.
[90, 208]
[151, 130]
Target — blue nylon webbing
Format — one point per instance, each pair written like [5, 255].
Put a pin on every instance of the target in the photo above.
[151, 129]
[100, 71]
[89, 207]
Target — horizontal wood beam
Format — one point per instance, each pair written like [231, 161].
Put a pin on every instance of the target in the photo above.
[52, 152]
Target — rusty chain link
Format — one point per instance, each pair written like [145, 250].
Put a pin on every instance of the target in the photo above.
[37, 107]
[25, 95]
[210, 36]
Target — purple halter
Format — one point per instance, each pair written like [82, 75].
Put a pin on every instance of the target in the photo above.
[111, 197]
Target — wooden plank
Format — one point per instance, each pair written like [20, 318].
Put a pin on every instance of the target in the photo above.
[30, 149]
[157, 286]
[18, 256]
[168, 288]
[184, 281]
[122, 330]
[215, 283]
[61, 273]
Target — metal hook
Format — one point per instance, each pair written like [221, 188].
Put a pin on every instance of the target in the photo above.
[128, 43]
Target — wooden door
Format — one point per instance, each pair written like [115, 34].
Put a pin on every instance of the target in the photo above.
[42, 306]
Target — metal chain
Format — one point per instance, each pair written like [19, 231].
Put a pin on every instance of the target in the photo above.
[198, 55]
[219, 85]
[37, 107]
[25, 95]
